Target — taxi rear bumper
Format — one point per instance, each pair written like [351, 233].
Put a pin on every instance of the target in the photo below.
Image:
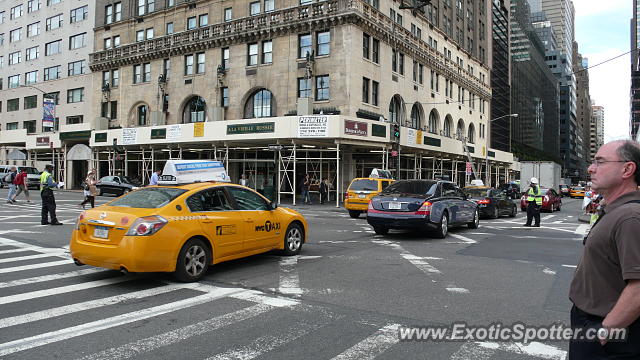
[360, 205]
[132, 253]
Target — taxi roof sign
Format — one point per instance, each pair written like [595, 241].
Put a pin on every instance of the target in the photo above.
[179, 172]
[379, 173]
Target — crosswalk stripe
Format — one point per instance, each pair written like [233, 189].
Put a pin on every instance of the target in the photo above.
[61, 290]
[35, 266]
[103, 324]
[373, 345]
[87, 305]
[29, 257]
[10, 251]
[266, 343]
[49, 277]
[171, 337]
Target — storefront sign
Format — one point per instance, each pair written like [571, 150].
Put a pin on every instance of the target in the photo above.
[42, 141]
[76, 135]
[356, 128]
[100, 137]
[411, 137]
[313, 126]
[432, 141]
[378, 130]
[254, 128]
[198, 129]
[419, 137]
[174, 132]
[129, 136]
[159, 133]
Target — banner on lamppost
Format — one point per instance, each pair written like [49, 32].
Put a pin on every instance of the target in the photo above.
[48, 113]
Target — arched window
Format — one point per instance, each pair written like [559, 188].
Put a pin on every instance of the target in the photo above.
[195, 110]
[416, 116]
[433, 121]
[447, 126]
[259, 105]
[471, 135]
[395, 111]
[460, 129]
[141, 115]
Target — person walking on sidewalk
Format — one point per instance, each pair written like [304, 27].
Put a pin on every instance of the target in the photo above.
[9, 179]
[22, 185]
[48, 200]
[324, 190]
[605, 290]
[306, 184]
[534, 203]
[90, 190]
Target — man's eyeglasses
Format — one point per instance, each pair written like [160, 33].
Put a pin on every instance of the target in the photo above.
[599, 162]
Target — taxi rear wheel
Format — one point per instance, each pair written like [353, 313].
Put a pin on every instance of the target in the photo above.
[293, 239]
[193, 261]
[354, 214]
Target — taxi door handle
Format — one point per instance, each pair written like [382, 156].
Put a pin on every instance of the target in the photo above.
[207, 221]
[249, 220]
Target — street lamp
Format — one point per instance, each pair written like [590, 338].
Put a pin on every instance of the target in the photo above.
[486, 152]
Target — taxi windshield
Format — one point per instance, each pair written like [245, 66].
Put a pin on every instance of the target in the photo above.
[364, 185]
[148, 198]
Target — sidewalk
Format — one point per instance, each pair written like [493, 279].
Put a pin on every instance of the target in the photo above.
[327, 206]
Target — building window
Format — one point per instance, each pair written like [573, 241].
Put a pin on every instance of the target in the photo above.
[323, 40]
[401, 63]
[79, 14]
[54, 22]
[269, 5]
[225, 58]
[228, 14]
[375, 51]
[139, 35]
[52, 48]
[169, 28]
[77, 119]
[108, 14]
[12, 125]
[13, 105]
[15, 58]
[52, 73]
[304, 45]
[252, 54]
[116, 41]
[267, 52]
[365, 90]
[254, 8]
[76, 68]
[31, 77]
[137, 74]
[322, 87]
[259, 105]
[55, 96]
[374, 92]
[33, 29]
[115, 78]
[200, 62]
[224, 97]
[75, 95]
[433, 122]
[53, 2]
[117, 15]
[191, 23]
[471, 134]
[1, 17]
[31, 102]
[195, 110]
[15, 35]
[106, 78]
[142, 115]
[149, 33]
[14, 81]
[203, 20]
[394, 60]
[188, 64]
[30, 125]
[366, 39]
[107, 43]
[304, 88]
[171, 3]
[416, 116]
[16, 12]
[33, 5]
[146, 6]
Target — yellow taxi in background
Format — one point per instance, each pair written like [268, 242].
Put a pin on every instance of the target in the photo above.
[576, 191]
[183, 229]
[360, 191]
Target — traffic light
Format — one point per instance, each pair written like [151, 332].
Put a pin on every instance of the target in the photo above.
[396, 132]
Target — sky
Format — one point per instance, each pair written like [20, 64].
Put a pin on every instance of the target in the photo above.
[602, 31]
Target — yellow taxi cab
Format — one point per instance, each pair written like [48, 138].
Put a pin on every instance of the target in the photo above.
[184, 228]
[361, 190]
[576, 191]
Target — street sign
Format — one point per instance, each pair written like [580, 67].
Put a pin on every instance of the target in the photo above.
[394, 153]
[276, 147]
[469, 171]
[48, 113]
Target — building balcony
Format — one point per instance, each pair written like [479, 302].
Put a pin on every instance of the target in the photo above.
[13, 137]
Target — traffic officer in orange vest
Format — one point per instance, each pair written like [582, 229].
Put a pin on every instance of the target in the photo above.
[534, 202]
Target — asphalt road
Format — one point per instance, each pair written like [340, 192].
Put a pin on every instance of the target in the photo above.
[343, 297]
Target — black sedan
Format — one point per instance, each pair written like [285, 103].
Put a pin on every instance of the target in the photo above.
[512, 190]
[117, 185]
[492, 203]
[422, 205]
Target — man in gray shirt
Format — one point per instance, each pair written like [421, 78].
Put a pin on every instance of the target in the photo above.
[605, 290]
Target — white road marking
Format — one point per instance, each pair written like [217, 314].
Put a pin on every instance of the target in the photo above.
[289, 280]
[28, 257]
[308, 257]
[417, 261]
[35, 266]
[582, 229]
[458, 290]
[373, 345]
[548, 271]
[10, 251]
[61, 290]
[547, 217]
[485, 350]
[107, 323]
[51, 277]
[570, 266]
[463, 238]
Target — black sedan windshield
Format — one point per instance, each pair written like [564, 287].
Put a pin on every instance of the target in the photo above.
[148, 198]
[412, 187]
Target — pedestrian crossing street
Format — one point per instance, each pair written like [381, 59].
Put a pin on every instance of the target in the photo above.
[50, 306]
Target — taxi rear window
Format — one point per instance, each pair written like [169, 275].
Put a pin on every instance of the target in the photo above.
[149, 198]
[364, 185]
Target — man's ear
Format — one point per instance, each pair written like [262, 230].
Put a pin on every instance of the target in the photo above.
[629, 170]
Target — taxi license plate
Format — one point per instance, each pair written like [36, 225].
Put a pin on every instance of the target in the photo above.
[101, 232]
[395, 206]
[361, 196]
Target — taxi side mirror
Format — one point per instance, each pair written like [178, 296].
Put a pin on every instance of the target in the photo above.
[273, 205]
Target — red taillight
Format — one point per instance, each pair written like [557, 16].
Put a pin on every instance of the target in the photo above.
[346, 195]
[370, 206]
[147, 225]
[425, 209]
[80, 218]
[546, 198]
[484, 201]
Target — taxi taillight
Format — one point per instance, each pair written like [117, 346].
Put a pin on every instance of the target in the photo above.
[79, 219]
[346, 195]
[146, 226]
[425, 209]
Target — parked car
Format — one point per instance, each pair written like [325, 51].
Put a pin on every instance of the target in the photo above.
[4, 169]
[551, 201]
[117, 185]
[491, 202]
[576, 191]
[422, 205]
[564, 190]
[512, 190]
[33, 176]
[360, 191]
